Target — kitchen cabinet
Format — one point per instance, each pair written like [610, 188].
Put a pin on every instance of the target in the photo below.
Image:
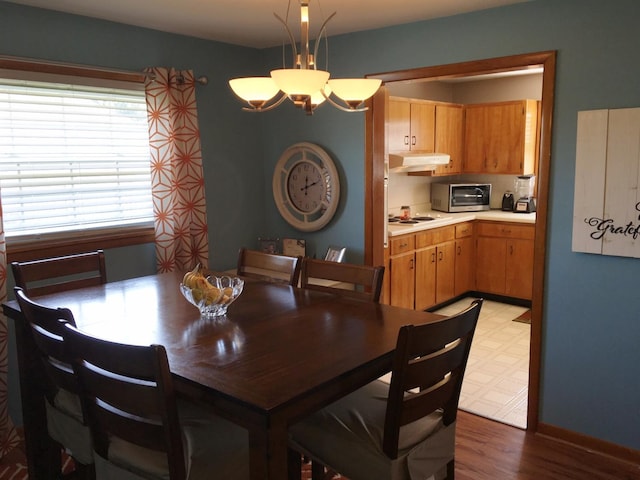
[410, 125]
[434, 281]
[505, 259]
[501, 137]
[401, 271]
[465, 259]
[422, 268]
[448, 137]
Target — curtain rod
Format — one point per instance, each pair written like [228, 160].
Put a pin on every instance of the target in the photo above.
[36, 65]
[202, 80]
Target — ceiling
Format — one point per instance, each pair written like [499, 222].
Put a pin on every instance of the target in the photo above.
[251, 23]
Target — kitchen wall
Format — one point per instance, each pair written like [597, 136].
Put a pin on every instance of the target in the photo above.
[416, 190]
[590, 313]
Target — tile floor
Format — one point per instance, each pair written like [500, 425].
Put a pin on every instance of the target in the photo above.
[495, 382]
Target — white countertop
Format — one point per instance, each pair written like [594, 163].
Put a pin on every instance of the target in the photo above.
[443, 219]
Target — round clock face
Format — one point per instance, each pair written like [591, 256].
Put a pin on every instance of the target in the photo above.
[306, 187]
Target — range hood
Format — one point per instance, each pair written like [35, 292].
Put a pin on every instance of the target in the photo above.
[416, 162]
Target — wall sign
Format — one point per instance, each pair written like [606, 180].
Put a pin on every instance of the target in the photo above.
[606, 203]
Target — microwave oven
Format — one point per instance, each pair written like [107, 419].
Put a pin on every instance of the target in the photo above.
[460, 197]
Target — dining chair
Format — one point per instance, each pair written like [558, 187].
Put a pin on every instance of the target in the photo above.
[140, 430]
[57, 274]
[269, 266]
[365, 281]
[65, 422]
[402, 430]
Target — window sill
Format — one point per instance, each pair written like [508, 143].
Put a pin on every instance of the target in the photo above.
[79, 241]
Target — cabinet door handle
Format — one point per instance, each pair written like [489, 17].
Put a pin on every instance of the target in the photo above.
[510, 249]
[406, 139]
[459, 250]
[433, 257]
[440, 256]
[411, 264]
[413, 140]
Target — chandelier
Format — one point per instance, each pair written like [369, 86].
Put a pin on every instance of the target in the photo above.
[303, 84]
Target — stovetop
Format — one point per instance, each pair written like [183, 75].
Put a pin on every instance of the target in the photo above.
[412, 220]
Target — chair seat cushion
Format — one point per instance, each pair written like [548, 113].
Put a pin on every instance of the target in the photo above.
[211, 444]
[347, 437]
[64, 425]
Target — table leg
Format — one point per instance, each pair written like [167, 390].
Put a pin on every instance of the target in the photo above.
[258, 454]
[268, 452]
[278, 452]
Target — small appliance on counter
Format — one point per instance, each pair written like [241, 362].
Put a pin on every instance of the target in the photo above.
[526, 202]
[460, 197]
[507, 201]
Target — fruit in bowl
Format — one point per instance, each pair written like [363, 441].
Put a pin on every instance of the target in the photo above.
[211, 295]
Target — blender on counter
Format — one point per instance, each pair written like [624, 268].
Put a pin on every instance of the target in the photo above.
[525, 201]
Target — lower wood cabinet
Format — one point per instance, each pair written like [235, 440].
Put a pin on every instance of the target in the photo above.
[505, 259]
[465, 273]
[435, 263]
[429, 267]
[401, 271]
[422, 268]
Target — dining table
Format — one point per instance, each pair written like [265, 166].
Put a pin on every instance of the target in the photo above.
[278, 354]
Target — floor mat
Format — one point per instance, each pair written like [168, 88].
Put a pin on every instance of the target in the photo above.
[524, 318]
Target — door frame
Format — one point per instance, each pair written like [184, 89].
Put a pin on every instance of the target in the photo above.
[376, 153]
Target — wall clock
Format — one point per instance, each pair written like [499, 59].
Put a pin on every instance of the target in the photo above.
[306, 186]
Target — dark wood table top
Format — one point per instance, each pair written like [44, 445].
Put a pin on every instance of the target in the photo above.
[278, 354]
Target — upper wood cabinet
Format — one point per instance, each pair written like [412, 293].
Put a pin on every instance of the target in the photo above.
[448, 137]
[501, 137]
[410, 125]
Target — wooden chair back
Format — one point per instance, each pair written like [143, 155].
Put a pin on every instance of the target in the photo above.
[432, 359]
[268, 266]
[46, 325]
[366, 280]
[127, 392]
[57, 274]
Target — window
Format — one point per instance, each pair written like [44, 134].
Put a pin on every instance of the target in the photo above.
[72, 157]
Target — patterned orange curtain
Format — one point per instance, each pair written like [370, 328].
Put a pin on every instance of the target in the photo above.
[182, 239]
[8, 435]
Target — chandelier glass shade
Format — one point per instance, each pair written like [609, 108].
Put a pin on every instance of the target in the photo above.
[306, 86]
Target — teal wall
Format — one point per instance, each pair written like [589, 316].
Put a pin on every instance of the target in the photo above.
[591, 324]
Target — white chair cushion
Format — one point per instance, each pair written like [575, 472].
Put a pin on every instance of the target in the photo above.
[64, 425]
[212, 445]
[347, 437]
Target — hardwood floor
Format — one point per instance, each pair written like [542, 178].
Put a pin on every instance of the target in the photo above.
[486, 449]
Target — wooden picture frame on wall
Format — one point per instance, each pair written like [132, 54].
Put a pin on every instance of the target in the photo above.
[293, 247]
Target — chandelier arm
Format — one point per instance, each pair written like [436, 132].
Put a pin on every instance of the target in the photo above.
[266, 108]
[323, 31]
[292, 39]
[342, 107]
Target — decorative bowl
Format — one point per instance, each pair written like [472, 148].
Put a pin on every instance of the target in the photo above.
[213, 297]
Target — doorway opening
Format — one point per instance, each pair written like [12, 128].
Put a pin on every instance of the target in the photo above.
[376, 153]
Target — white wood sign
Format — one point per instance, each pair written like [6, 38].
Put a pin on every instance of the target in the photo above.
[606, 203]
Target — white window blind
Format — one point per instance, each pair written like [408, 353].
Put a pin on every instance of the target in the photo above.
[72, 157]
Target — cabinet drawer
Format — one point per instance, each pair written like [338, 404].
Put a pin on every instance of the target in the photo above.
[464, 230]
[506, 230]
[435, 236]
[402, 244]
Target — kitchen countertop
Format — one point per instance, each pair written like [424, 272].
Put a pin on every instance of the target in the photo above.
[443, 219]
